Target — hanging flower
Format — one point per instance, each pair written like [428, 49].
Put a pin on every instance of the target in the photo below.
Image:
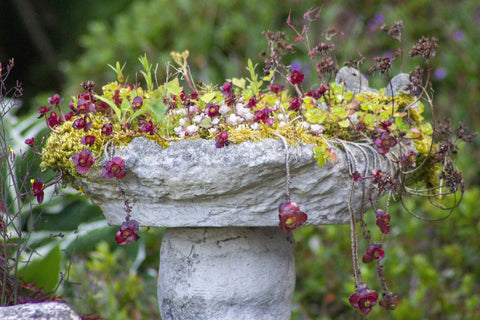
[363, 299]
[84, 160]
[127, 233]
[37, 190]
[290, 216]
[114, 168]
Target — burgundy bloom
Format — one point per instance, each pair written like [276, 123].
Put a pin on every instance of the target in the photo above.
[316, 93]
[53, 120]
[30, 141]
[81, 123]
[296, 77]
[68, 116]
[43, 110]
[252, 102]
[408, 159]
[37, 190]
[357, 177]
[383, 221]
[290, 216]
[261, 115]
[383, 126]
[227, 88]
[363, 299]
[149, 127]
[84, 160]
[55, 99]
[222, 140]
[107, 129]
[137, 103]
[389, 301]
[88, 140]
[295, 104]
[374, 252]
[276, 88]
[85, 106]
[385, 142]
[114, 168]
[127, 233]
[212, 110]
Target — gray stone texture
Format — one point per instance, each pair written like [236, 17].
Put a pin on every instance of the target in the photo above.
[398, 84]
[38, 311]
[194, 184]
[353, 80]
[226, 274]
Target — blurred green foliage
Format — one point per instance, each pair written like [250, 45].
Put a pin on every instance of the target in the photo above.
[433, 267]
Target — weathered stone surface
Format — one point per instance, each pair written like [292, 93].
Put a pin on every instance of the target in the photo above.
[193, 183]
[353, 80]
[398, 83]
[38, 311]
[226, 274]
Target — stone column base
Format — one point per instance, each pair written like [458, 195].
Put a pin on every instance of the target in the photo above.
[226, 274]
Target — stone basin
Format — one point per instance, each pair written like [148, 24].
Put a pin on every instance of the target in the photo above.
[223, 256]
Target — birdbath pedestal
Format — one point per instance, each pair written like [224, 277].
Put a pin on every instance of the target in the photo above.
[223, 256]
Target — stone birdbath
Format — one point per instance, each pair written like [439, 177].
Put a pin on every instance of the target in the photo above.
[223, 255]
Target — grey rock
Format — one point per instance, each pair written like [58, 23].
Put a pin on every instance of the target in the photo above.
[38, 311]
[353, 80]
[194, 184]
[398, 84]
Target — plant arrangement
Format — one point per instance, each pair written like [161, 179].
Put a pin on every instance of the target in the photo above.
[327, 115]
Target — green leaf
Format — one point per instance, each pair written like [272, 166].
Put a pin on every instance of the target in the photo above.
[207, 97]
[206, 123]
[239, 82]
[44, 272]
[137, 113]
[344, 124]
[158, 108]
[112, 105]
[174, 87]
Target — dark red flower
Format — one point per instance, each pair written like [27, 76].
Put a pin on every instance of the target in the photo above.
[374, 252]
[222, 140]
[30, 141]
[212, 110]
[408, 159]
[127, 233]
[53, 121]
[290, 216]
[55, 99]
[363, 299]
[316, 93]
[37, 190]
[276, 88]
[84, 160]
[252, 102]
[296, 77]
[43, 110]
[82, 123]
[385, 142]
[357, 177]
[102, 107]
[85, 106]
[148, 127]
[68, 116]
[107, 129]
[114, 168]
[295, 104]
[88, 140]
[389, 301]
[261, 115]
[227, 88]
[383, 221]
[383, 126]
[137, 103]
